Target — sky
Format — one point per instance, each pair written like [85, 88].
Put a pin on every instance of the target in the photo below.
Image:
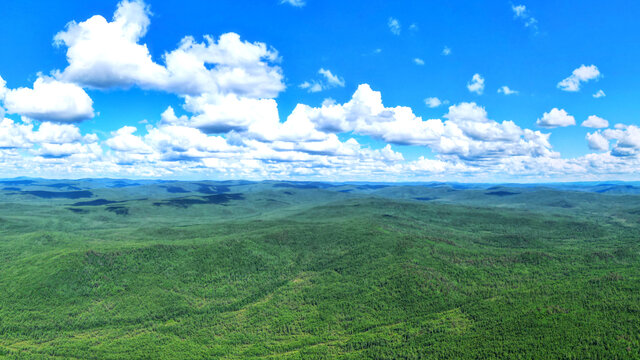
[330, 90]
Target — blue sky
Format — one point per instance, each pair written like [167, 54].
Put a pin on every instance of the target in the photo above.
[87, 99]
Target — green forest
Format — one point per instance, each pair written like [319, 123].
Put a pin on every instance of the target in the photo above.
[123, 269]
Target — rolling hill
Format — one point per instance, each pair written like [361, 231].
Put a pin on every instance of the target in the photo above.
[112, 269]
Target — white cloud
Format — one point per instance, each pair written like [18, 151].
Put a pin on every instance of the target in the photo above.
[3, 89]
[365, 114]
[599, 94]
[229, 87]
[214, 78]
[312, 86]
[328, 81]
[418, 61]
[506, 90]
[436, 166]
[183, 143]
[90, 138]
[331, 79]
[169, 117]
[394, 26]
[56, 134]
[521, 12]
[296, 3]
[48, 150]
[467, 133]
[224, 113]
[556, 118]
[172, 143]
[597, 142]
[627, 140]
[124, 140]
[470, 144]
[104, 54]
[171, 146]
[227, 84]
[49, 141]
[475, 136]
[228, 66]
[50, 100]
[594, 121]
[14, 135]
[446, 51]
[414, 27]
[578, 76]
[476, 84]
[434, 102]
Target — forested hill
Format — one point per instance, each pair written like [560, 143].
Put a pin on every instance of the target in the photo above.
[132, 269]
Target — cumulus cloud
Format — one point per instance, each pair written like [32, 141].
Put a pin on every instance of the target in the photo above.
[556, 118]
[467, 133]
[65, 150]
[50, 100]
[434, 102]
[224, 113]
[594, 121]
[50, 140]
[506, 90]
[627, 139]
[475, 136]
[105, 54]
[599, 94]
[56, 134]
[446, 51]
[214, 77]
[124, 140]
[470, 145]
[231, 127]
[418, 61]
[578, 76]
[226, 83]
[281, 142]
[226, 66]
[597, 142]
[175, 146]
[181, 143]
[14, 135]
[394, 26]
[476, 84]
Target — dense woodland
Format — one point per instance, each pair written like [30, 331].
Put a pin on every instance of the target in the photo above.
[114, 269]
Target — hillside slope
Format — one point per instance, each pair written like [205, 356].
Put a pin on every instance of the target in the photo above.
[187, 270]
